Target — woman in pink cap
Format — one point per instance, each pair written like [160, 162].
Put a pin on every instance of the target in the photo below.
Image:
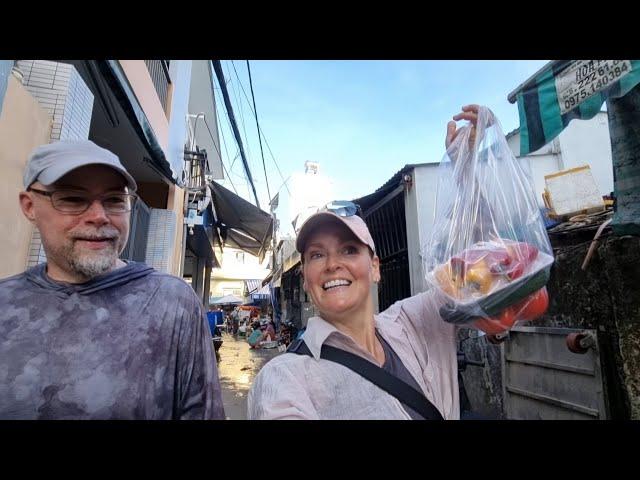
[352, 363]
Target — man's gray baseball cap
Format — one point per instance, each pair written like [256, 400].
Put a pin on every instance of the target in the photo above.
[48, 163]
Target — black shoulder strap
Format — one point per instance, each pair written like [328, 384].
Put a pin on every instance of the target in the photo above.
[299, 347]
[376, 375]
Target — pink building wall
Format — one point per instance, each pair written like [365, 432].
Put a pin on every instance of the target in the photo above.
[142, 85]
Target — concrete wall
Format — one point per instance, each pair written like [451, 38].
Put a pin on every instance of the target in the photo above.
[202, 100]
[180, 72]
[582, 142]
[588, 142]
[221, 287]
[605, 297]
[232, 267]
[419, 214]
[142, 85]
[23, 126]
[483, 385]
[175, 203]
[542, 162]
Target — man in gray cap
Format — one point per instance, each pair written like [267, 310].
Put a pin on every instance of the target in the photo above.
[87, 335]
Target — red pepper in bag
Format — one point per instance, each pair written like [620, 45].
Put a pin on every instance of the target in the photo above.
[533, 306]
[498, 324]
[499, 261]
[523, 255]
[516, 270]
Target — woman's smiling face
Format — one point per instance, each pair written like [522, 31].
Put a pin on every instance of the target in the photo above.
[338, 271]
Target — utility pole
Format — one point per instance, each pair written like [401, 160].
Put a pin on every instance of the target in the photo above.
[217, 67]
[624, 124]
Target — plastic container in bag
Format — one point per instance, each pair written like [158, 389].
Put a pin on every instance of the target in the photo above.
[489, 253]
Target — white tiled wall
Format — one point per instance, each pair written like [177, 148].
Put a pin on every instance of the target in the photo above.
[36, 252]
[62, 93]
[160, 242]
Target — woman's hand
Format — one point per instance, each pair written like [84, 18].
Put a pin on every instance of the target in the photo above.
[469, 113]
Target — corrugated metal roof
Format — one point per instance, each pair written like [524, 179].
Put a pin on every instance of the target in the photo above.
[512, 133]
[252, 285]
[369, 200]
[262, 293]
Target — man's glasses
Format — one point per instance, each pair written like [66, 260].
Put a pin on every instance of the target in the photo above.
[75, 203]
[342, 208]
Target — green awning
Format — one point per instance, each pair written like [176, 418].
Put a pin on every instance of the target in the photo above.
[568, 89]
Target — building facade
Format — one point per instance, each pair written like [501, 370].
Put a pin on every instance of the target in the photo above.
[137, 109]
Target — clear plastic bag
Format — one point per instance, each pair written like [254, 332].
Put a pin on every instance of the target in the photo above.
[488, 253]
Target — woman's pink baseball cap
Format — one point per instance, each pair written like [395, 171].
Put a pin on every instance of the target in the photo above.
[353, 222]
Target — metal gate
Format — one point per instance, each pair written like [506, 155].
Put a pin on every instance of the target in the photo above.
[136, 247]
[543, 380]
[387, 224]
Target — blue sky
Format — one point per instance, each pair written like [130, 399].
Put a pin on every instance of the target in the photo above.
[361, 120]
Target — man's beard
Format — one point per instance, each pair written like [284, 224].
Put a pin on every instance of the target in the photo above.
[91, 265]
[87, 263]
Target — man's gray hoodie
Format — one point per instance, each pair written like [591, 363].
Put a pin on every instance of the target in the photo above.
[129, 344]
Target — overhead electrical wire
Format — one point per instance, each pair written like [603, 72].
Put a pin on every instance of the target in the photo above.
[261, 132]
[239, 104]
[217, 66]
[255, 110]
[224, 141]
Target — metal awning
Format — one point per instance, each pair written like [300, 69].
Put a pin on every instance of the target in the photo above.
[200, 244]
[252, 285]
[242, 225]
[274, 278]
[263, 293]
[293, 261]
[115, 78]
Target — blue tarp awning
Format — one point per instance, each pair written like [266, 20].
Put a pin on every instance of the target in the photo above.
[263, 293]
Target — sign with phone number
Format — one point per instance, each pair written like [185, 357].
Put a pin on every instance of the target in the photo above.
[585, 78]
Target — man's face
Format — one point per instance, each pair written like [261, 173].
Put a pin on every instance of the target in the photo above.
[80, 246]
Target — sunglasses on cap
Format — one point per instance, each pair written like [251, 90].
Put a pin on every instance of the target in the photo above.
[342, 208]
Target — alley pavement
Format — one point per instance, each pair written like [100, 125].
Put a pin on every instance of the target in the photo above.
[238, 366]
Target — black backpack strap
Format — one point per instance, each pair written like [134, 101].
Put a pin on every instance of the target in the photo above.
[376, 375]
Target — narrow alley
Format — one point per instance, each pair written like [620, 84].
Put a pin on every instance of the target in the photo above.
[238, 366]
